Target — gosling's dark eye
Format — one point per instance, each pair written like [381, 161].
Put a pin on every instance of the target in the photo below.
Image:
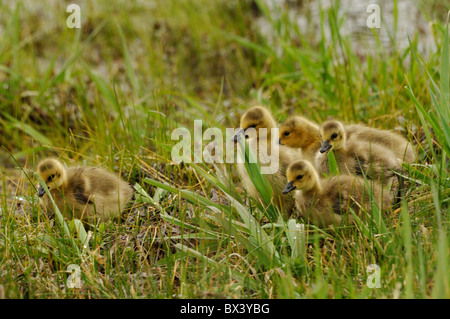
[286, 133]
[334, 136]
[299, 177]
[51, 177]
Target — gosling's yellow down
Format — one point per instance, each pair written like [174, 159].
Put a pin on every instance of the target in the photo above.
[388, 139]
[82, 192]
[355, 156]
[326, 201]
[252, 123]
[299, 132]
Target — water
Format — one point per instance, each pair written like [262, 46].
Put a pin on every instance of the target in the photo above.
[410, 22]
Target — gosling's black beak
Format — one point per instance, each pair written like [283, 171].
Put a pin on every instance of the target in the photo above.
[279, 141]
[238, 135]
[325, 146]
[41, 191]
[289, 187]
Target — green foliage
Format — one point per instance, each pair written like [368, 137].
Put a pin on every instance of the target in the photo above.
[111, 93]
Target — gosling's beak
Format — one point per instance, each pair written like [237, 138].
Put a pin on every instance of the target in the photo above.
[325, 146]
[238, 135]
[289, 187]
[279, 141]
[41, 191]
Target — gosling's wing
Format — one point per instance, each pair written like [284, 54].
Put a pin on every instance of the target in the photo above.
[78, 184]
[107, 184]
[340, 191]
[377, 160]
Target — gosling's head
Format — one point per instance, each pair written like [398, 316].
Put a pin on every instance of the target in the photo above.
[252, 121]
[52, 172]
[333, 136]
[301, 175]
[297, 131]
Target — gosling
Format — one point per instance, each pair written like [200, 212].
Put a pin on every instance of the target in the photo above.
[388, 139]
[82, 192]
[252, 125]
[299, 132]
[326, 201]
[355, 156]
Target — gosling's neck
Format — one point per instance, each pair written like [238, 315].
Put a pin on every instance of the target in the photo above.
[64, 178]
[314, 137]
[314, 189]
[314, 131]
[343, 145]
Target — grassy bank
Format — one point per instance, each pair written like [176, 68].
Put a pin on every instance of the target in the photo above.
[111, 94]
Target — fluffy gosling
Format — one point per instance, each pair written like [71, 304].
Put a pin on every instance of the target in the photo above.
[299, 132]
[326, 201]
[388, 139]
[355, 156]
[82, 192]
[251, 123]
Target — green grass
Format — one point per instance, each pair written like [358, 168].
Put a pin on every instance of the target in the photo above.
[111, 93]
